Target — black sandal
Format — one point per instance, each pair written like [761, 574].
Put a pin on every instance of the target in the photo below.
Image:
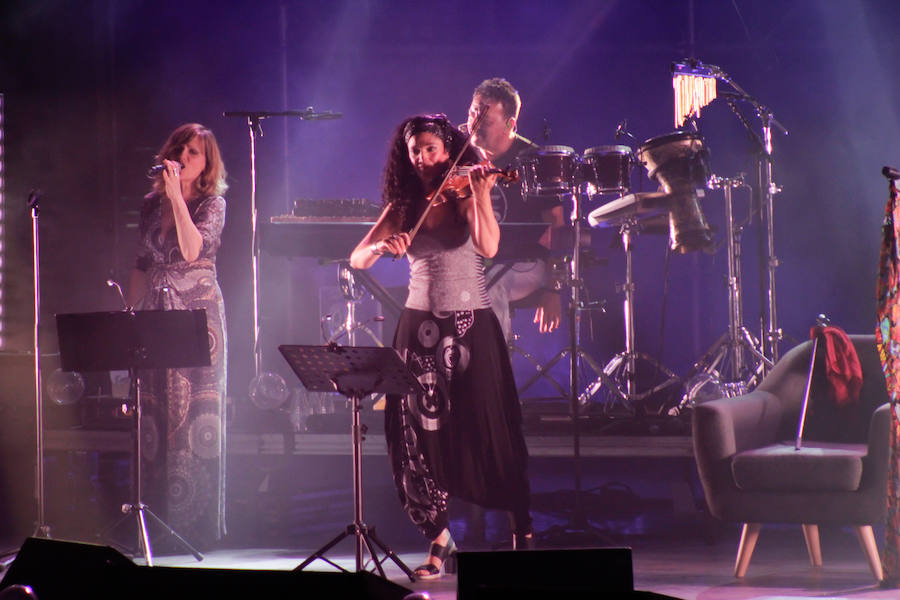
[447, 556]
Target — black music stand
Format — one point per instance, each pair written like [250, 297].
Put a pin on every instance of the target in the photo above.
[135, 340]
[354, 372]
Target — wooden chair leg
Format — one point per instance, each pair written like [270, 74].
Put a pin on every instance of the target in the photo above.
[811, 535]
[867, 541]
[749, 535]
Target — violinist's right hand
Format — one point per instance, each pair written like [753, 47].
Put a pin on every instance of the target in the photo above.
[395, 244]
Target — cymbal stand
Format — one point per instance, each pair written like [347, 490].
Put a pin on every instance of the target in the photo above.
[618, 377]
[736, 362]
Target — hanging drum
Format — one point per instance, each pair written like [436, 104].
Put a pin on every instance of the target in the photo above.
[679, 162]
[608, 169]
[548, 171]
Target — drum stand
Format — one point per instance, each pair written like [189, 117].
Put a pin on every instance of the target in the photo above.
[618, 376]
[736, 363]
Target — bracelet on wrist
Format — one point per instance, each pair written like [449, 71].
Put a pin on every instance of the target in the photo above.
[374, 249]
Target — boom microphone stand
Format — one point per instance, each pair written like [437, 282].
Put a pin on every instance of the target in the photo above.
[254, 124]
[767, 189]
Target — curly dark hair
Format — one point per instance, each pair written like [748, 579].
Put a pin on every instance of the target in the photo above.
[401, 185]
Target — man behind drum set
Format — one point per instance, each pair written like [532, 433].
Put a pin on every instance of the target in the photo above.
[496, 140]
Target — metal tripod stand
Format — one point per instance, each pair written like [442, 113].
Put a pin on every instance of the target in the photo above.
[618, 378]
[355, 372]
[135, 340]
[736, 362]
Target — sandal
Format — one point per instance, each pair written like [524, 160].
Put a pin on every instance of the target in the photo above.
[447, 556]
[523, 541]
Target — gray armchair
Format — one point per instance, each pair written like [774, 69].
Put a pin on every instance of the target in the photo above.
[751, 474]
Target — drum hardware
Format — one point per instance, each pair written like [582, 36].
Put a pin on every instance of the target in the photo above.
[736, 363]
[618, 377]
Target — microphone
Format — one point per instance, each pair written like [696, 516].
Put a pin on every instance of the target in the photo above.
[157, 169]
[115, 284]
[891, 173]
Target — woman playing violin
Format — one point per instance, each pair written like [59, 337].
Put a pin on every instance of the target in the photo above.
[463, 436]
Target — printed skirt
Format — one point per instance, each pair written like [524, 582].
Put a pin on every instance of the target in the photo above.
[463, 436]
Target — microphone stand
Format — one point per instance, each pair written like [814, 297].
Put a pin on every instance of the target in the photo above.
[42, 529]
[254, 123]
[767, 189]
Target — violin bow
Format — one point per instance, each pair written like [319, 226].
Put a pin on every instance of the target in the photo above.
[437, 193]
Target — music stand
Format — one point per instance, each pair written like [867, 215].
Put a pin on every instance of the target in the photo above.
[135, 340]
[354, 372]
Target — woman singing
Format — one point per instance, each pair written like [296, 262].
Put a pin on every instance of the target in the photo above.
[463, 437]
[180, 231]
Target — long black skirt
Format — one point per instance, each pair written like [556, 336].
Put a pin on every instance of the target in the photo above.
[463, 437]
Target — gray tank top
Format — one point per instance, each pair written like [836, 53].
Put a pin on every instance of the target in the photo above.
[445, 272]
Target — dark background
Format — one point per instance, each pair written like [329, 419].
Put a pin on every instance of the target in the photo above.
[91, 90]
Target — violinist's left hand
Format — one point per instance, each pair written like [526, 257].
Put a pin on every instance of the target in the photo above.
[481, 182]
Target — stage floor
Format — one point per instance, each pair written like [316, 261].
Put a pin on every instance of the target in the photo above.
[688, 569]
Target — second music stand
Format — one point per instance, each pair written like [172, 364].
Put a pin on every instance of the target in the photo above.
[135, 340]
[354, 372]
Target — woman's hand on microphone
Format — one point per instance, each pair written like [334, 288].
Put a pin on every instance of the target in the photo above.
[172, 178]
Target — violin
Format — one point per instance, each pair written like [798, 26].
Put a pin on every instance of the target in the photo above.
[458, 185]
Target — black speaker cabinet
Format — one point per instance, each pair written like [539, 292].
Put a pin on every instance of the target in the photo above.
[584, 573]
[58, 570]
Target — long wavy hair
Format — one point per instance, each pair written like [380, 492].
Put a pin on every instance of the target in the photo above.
[401, 184]
[211, 181]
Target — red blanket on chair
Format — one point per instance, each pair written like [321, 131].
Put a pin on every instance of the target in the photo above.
[842, 367]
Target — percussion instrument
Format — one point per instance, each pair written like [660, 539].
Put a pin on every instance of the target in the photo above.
[633, 207]
[607, 168]
[548, 170]
[679, 162]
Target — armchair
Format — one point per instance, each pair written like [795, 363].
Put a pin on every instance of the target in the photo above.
[751, 473]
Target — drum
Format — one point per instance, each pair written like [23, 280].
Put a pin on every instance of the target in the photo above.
[548, 171]
[608, 169]
[679, 162]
